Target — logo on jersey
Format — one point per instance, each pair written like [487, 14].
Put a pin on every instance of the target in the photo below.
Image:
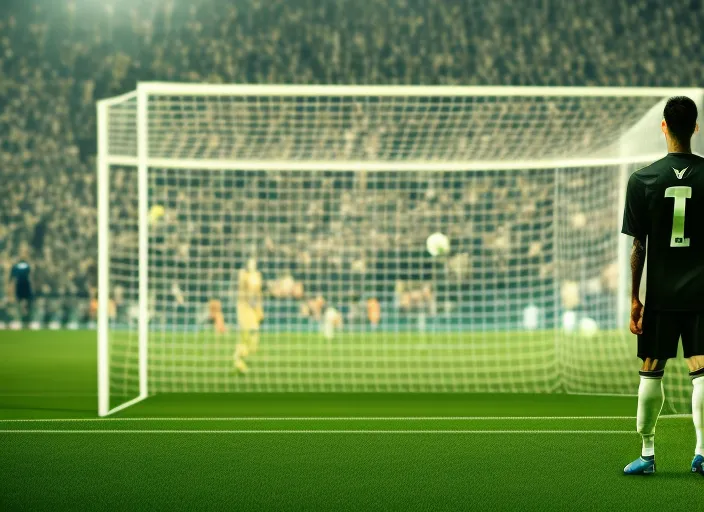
[679, 174]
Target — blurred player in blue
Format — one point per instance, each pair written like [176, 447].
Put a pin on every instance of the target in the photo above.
[665, 209]
[22, 293]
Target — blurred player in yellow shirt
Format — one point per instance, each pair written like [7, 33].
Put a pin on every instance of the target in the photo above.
[250, 312]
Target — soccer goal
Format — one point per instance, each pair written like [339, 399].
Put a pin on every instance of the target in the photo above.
[330, 192]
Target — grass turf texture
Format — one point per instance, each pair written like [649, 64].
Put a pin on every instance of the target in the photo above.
[461, 456]
[483, 362]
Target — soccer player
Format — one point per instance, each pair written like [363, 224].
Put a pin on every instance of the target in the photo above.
[249, 313]
[373, 312]
[664, 208]
[331, 322]
[216, 316]
[20, 274]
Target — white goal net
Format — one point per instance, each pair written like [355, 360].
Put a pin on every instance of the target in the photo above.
[331, 193]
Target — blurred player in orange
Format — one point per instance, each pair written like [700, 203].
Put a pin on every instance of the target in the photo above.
[373, 312]
[250, 312]
[216, 317]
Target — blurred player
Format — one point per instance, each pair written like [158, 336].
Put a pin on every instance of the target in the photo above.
[331, 322]
[373, 312]
[665, 206]
[216, 317]
[22, 292]
[250, 312]
[315, 307]
[177, 311]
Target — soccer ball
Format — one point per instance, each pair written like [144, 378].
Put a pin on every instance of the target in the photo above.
[569, 321]
[156, 212]
[588, 327]
[438, 244]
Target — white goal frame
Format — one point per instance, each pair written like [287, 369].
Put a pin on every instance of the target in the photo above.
[142, 161]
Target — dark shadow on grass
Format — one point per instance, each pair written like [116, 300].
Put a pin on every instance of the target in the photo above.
[683, 474]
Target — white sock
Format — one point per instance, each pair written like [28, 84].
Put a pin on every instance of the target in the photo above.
[651, 397]
[698, 413]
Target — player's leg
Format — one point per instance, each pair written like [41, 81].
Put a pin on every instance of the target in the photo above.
[656, 345]
[242, 350]
[248, 321]
[693, 347]
[219, 321]
[257, 318]
[22, 309]
[253, 341]
[23, 298]
[651, 398]
[328, 329]
[696, 372]
[25, 303]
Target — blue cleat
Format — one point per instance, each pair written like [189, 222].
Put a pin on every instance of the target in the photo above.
[698, 464]
[641, 466]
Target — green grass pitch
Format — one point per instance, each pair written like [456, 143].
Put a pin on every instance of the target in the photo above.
[323, 451]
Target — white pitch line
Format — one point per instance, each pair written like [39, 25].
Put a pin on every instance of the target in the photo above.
[627, 432]
[344, 418]
[49, 395]
[327, 418]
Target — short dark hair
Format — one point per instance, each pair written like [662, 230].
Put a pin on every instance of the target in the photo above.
[681, 117]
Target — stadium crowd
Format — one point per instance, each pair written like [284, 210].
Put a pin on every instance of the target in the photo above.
[58, 57]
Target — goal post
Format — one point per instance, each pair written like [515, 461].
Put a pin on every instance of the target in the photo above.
[332, 191]
[118, 276]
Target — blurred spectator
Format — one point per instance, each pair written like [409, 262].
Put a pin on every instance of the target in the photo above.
[313, 308]
[286, 287]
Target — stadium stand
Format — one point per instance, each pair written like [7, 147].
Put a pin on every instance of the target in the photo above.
[58, 56]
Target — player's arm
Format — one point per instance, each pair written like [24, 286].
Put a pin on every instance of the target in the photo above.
[637, 264]
[635, 224]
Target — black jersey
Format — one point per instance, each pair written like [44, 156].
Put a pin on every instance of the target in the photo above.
[665, 204]
[20, 274]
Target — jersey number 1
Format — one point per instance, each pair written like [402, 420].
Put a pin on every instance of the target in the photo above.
[681, 194]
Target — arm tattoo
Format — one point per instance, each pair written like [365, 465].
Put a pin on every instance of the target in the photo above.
[637, 263]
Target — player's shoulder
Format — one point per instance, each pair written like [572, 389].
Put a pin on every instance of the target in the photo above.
[653, 170]
[668, 166]
[669, 162]
[640, 179]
